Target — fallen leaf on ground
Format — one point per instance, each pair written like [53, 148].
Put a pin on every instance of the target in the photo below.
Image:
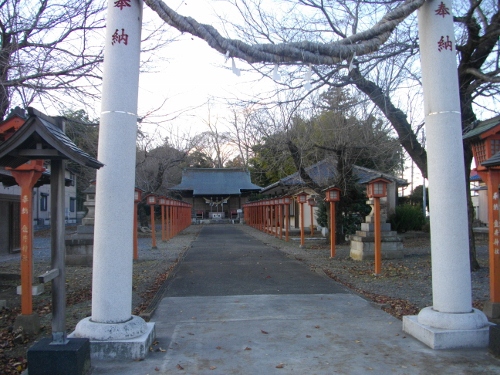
[264, 332]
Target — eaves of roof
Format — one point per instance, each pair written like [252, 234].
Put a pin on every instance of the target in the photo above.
[40, 138]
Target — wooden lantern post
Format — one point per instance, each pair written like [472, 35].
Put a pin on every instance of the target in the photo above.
[168, 219]
[151, 199]
[377, 188]
[287, 201]
[276, 216]
[281, 202]
[332, 196]
[264, 215]
[485, 141]
[163, 202]
[301, 199]
[26, 177]
[137, 199]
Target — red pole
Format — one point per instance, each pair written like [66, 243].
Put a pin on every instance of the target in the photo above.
[153, 229]
[287, 222]
[163, 223]
[276, 220]
[493, 181]
[26, 177]
[378, 239]
[302, 224]
[332, 229]
[136, 252]
[281, 220]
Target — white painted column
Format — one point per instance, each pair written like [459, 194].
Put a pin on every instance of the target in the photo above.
[451, 282]
[113, 236]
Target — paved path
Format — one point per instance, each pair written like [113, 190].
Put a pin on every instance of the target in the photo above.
[237, 306]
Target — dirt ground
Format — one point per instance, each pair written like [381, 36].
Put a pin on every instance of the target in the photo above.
[403, 288]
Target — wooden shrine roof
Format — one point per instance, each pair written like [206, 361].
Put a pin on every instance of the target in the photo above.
[216, 181]
[41, 138]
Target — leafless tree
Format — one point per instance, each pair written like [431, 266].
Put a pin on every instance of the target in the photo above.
[372, 45]
[46, 47]
[242, 133]
[51, 52]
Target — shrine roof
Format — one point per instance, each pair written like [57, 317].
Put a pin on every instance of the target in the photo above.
[40, 138]
[324, 172]
[494, 161]
[216, 181]
[479, 128]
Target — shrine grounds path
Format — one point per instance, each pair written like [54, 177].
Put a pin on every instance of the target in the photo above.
[237, 304]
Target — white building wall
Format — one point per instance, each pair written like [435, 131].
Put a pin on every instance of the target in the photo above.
[41, 216]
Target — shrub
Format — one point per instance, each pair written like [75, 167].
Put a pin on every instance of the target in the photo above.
[321, 214]
[407, 217]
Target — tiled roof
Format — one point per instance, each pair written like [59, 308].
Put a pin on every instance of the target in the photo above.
[323, 173]
[216, 181]
[494, 161]
[40, 138]
[480, 128]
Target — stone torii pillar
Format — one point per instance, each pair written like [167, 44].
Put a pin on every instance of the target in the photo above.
[451, 322]
[113, 330]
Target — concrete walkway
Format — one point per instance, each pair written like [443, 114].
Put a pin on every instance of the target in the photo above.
[237, 306]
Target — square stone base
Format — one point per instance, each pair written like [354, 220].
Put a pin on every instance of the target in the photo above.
[494, 346]
[71, 358]
[492, 309]
[136, 348]
[30, 323]
[437, 338]
[365, 249]
[36, 289]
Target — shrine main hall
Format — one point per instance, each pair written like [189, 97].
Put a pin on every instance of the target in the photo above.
[216, 193]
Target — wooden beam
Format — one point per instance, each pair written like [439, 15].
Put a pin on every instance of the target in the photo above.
[49, 275]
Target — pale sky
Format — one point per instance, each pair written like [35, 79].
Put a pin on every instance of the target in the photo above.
[193, 74]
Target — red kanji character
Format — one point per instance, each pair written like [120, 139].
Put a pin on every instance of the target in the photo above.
[445, 44]
[122, 4]
[442, 10]
[118, 38]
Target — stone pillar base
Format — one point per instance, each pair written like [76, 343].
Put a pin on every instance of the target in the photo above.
[492, 309]
[363, 246]
[465, 330]
[128, 340]
[30, 323]
[79, 250]
[36, 289]
[494, 347]
[71, 358]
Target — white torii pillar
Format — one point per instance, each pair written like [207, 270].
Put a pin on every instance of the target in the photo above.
[451, 322]
[112, 329]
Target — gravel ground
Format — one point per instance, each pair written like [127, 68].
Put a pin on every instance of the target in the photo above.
[403, 288]
[150, 271]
